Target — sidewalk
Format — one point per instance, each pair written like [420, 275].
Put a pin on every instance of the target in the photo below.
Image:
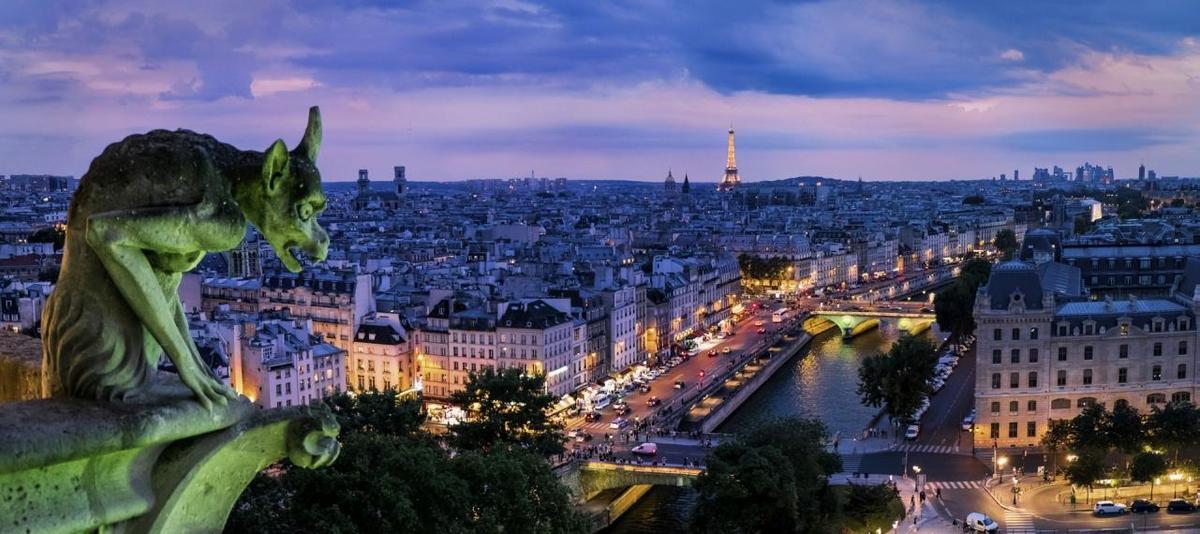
[928, 518]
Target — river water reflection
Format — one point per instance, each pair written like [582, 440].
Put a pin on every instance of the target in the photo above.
[819, 383]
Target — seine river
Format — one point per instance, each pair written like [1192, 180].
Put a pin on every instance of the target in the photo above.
[818, 383]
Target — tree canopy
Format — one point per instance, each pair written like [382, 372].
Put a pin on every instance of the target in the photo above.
[899, 379]
[1006, 242]
[506, 409]
[955, 305]
[759, 268]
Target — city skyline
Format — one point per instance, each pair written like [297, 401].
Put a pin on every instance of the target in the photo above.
[909, 91]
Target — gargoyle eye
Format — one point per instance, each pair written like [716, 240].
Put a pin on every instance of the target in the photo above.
[305, 211]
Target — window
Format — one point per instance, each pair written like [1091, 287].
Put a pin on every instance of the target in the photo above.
[1087, 352]
[995, 408]
[1156, 372]
[1122, 375]
[1033, 333]
[1062, 330]
[1031, 429]
[1062, 378]
[1088, 329]
[1181, 396]
[1032, 379]
[1060, 404]
[1087, 377]
[1124, 353]
[1031, 406]
[995, 433]
[1158, 349]
[1182, 348]
[1181, 371]
[996, 356]
[1016, 334]
[1014, 380]
[1062, 354]
[995, 380]
[1033, 355]
[1012, 429]
[1156, 398]
[996, 334]
[1016, 356]
[1014, 406]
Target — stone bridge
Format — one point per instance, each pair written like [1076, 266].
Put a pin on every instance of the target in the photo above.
[854, 322]
[588, 478]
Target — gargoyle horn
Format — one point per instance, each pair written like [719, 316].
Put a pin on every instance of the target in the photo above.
[311, 144]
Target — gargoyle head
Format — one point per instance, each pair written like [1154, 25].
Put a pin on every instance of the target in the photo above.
[291, 198]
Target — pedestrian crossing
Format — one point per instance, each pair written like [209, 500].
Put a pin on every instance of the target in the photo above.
[957, 484]
[1018, 522]
[935, 449]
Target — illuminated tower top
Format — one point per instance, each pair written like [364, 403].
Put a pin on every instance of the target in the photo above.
[731, 178]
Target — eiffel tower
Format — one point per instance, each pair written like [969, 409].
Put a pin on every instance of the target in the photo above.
[731, 179]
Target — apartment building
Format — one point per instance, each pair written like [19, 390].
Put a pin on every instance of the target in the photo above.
[381, 358]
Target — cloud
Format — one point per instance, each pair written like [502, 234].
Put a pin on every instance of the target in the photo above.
[1012, 54]
[1085, 140]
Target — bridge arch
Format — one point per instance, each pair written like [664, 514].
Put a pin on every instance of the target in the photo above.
[588, 479]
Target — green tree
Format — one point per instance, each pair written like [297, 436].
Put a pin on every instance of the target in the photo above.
[381, 412]
[1174, 426]
[506, 408]
[515, 491]
[772, 478]
[1123, 429]
[50, 234]
[954, 308]
[899, 379]
[870, 507]
[1146, 467]
[974, 273]
[973, 200]
[1056, 438]
[1006, 243]
[1089, 430]
[1087, 468]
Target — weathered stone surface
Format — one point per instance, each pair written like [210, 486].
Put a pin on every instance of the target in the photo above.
[165, 464]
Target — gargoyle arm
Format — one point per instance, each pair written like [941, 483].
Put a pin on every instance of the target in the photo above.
[119, 239]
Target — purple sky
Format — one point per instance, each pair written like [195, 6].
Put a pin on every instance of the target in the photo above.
[457, 90]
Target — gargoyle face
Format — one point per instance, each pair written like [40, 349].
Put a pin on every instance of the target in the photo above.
[292, 199]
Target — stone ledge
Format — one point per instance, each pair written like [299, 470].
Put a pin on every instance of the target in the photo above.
[161, 465]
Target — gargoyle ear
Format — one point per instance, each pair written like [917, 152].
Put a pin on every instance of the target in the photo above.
[275, 163]
[311, 144]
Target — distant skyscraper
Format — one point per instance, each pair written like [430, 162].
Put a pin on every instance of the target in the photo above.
[1142, 172]
[731, 178]
[1016, 174]
[669, 184]
[399, 180]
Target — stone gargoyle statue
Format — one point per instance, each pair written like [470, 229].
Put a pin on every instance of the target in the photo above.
[147, 210]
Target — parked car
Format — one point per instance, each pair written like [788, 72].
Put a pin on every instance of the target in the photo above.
[1143, 506]
[647, 449]
[968, 422]
[653, 401]
[1180, 506]
[1109, 508]
[912, 432]
[978, 522]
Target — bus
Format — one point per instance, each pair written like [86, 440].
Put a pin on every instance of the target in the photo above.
[778, 315]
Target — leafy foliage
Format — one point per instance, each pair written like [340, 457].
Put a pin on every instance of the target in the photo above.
[973, 200]
[1123, 429]
[771, 479]
[1086, 469]
[866, 508]
[506, 408]
[1006, 242]
[51, 234]
[955, 305]
[392, 476]
[1174, 426]
[759, 268]
[899, 379]
[1147, 466]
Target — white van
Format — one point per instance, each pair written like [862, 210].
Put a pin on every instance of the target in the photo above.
[978, 522]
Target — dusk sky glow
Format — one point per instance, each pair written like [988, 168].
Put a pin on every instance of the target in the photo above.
[458, 90]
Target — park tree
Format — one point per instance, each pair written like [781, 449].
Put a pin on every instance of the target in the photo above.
[380, 412]
[868, 508]
[1006, 242]
[1174, 426]
[899, 379]
[506, 409]
[955, 305]
[1123, 429]
[771, 478]
[1087, 468]
[1147, 467]
[1089, 431]
[1056, 438]
[50, 234]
